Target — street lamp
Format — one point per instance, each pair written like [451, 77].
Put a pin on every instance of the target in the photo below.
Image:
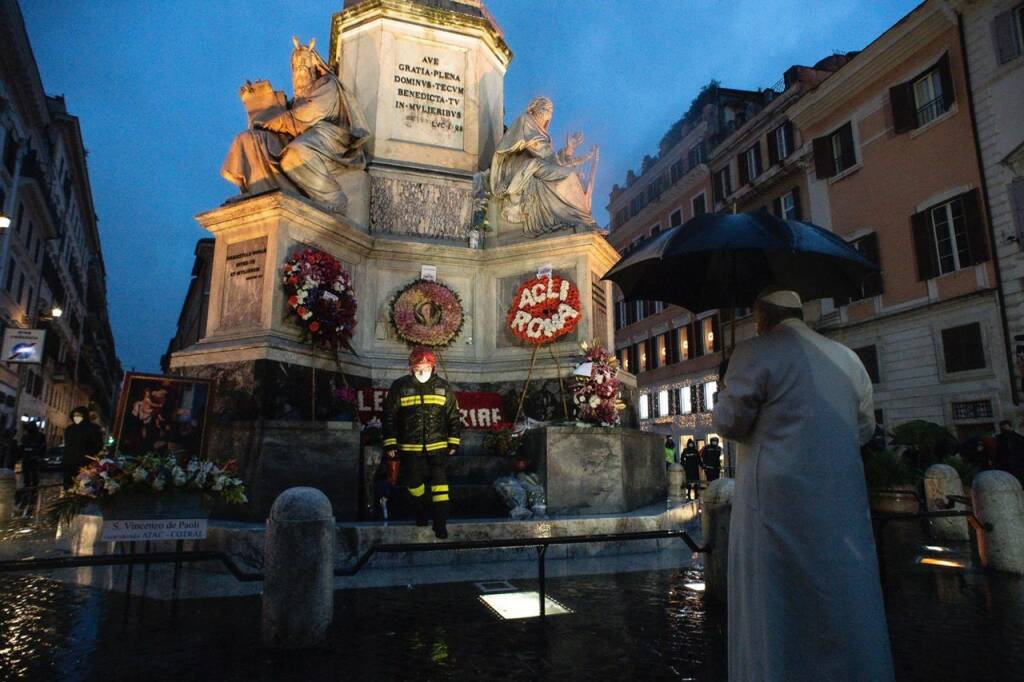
[56, 311]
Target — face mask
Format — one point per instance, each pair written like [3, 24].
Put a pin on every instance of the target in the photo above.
[422, 374]
[78, 419]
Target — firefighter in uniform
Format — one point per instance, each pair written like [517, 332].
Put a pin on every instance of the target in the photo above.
[422, 425]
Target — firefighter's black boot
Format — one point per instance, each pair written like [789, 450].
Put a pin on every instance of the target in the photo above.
[439, 500]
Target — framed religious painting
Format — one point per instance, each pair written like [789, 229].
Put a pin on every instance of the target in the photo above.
[162, 414]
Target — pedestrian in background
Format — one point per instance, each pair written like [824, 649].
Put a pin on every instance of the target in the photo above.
[82, 439]
[670, 451]
[711, 459]
[691, 467]
[31, 451]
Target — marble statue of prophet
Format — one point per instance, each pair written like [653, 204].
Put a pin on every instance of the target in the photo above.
[305, 145]
[538, 187]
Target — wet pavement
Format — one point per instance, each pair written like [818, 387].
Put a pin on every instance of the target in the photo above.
[945, 624]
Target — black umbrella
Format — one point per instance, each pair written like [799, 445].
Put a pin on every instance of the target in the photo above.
[724, 260]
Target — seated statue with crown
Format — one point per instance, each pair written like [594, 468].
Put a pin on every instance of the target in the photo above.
[302, 146]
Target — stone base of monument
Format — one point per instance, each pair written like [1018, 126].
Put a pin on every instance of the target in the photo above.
[276, 455]
[245, 543]
[594, 470]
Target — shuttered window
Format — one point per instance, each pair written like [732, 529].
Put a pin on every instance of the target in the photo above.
[787, 206]
[749, 164]
[923, 98]
[872, 285]
[723, 184]
[962, 348]
[1008, 28]
[780, 143]
[685, 344]
[10, 152]
[676, 218]
[949, 236]
[869, 358]
[699, 205]
[1016, 192]
[834, 153]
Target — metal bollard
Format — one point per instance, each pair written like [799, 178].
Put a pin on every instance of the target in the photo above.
[675, 479]
[940, 481]
[298, 584]
[998, 500]
[8, 487]
[714, 525]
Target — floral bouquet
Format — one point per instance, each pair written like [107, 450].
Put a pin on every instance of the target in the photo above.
[110, 476]
[320, 294]
[596, 389]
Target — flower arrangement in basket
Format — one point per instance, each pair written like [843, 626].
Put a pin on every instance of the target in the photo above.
[426, 313]
[321, 296]
[110, 477]
[596, 389]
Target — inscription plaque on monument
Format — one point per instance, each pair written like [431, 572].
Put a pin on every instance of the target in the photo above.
[243, 286]
[428, 91]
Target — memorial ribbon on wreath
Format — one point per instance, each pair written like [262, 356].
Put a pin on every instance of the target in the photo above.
[544, 309]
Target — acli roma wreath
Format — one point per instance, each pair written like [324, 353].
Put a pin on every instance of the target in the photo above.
[545, 309]
[320, 294]
[426, 313]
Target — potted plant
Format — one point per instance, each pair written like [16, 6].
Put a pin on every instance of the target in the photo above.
[150, 486]
[892, 482]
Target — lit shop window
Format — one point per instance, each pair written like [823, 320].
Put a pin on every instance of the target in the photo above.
[645, 411]
[707, 327]
[662, 403]
[684, 400]
[710, 388]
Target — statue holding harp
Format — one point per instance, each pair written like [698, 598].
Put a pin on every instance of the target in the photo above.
[537, 187]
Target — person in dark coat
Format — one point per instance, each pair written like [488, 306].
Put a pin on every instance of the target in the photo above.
[711, 459]
[82, 439]
[691, 466]
[31, 451]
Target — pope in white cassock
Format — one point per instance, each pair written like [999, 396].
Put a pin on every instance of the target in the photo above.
[804, 601]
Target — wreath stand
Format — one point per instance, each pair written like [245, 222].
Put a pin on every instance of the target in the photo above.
[529, 376]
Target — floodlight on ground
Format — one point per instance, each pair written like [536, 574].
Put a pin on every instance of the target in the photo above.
[933, 561]
[936, 548]
[696, 587]
[5, 221]
[56, 311]
[514, 605]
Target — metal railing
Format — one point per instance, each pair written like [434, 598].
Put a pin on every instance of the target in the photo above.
[180, 556]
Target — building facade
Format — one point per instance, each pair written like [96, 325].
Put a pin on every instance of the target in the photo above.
[891, 167]
[882, 147]
[992, 35]
[51, 265]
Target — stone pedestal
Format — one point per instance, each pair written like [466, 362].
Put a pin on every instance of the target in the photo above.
[276, 455]
[714, 525]
[940, 481]
[249, 318]
[594, 470]
[998, 500]
[298, 583]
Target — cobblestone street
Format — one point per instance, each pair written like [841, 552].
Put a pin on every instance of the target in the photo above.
[636, 625]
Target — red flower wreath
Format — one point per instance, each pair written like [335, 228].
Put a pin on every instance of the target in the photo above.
[545, 309]
[320, 294]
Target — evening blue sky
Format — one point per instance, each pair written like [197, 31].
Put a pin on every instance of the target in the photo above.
[155, 85]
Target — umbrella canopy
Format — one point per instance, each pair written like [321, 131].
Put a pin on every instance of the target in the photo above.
[725, 260]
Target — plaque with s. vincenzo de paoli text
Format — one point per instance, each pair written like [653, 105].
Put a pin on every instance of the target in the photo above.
[245, 268]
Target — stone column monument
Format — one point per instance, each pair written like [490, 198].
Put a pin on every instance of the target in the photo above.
[392, 157]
